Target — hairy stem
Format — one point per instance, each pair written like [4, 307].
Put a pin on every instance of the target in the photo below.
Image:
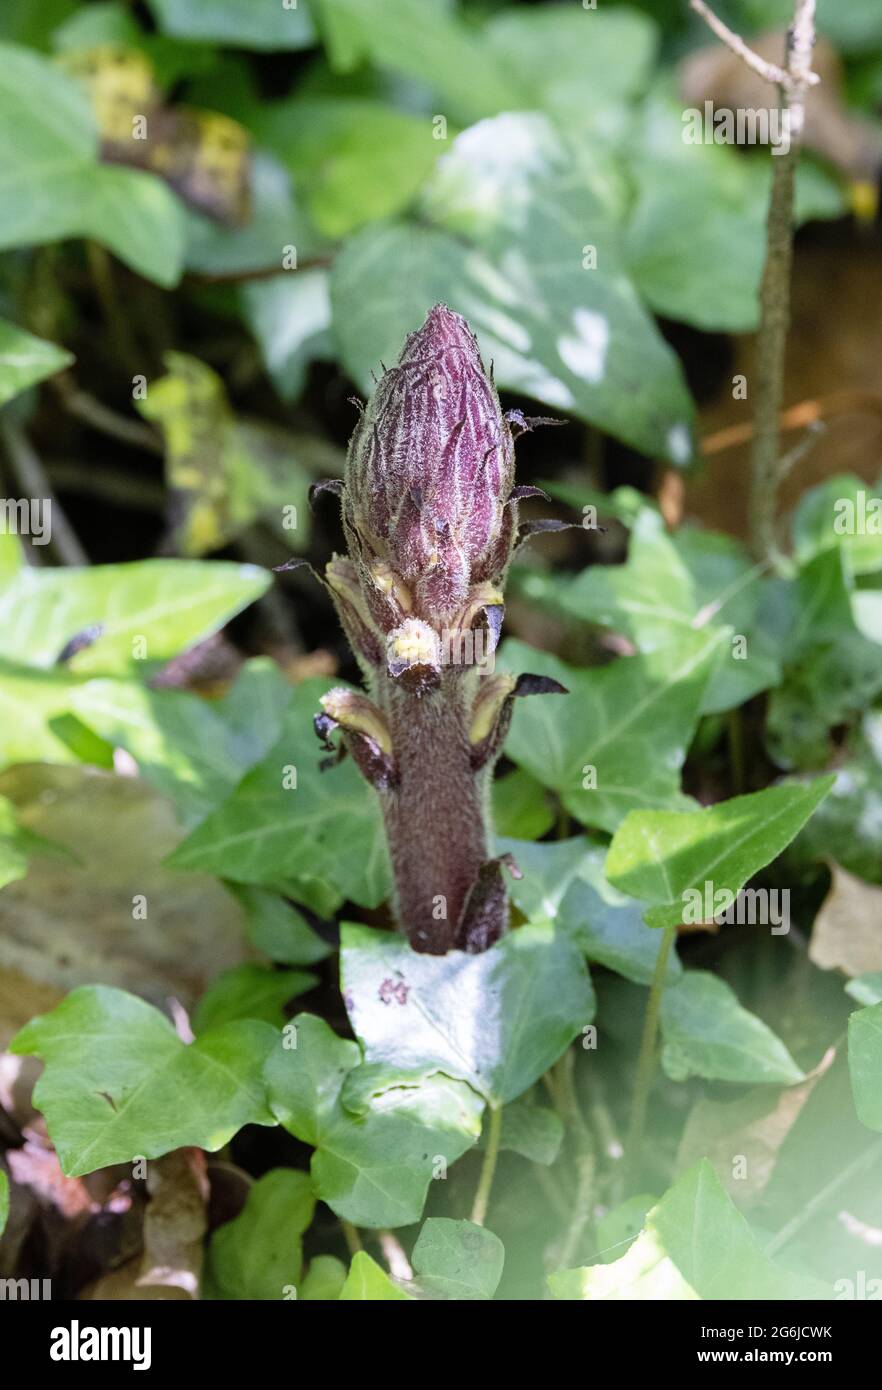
[434, 816]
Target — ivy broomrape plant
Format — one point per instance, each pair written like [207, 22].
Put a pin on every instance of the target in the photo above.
[430, 515]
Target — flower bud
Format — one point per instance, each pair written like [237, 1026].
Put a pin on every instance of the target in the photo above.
[429, 473]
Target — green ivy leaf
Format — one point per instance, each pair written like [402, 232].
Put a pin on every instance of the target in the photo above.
[608, 925]
[847, 826]
[631, 721]
[823, 519]
[237, 23]
[521, 807]
[497, 1020]
[561, 46]
[170, 604]
[866, 989]
[422, 39]
[457, 1259]
[547, 871]
[707, 1033]
[277, 929]
[367, 1282]
[715, 199]
[118, 1081]
[505, 187]
[696, 1244]
[669, 586]
[53, 187]
[181, 743]
[355, 160]
[531, 1130]
[258, 1255]
[278, 221]
[865, 1064]
[249, 991]
[323, 1281]
[327, 828]
[372, 1168]
[290, 316]
[660, 856]
[25, 360]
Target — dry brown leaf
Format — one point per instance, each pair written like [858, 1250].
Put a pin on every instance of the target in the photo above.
[71, 922]
[847, 934]
[752, 1128]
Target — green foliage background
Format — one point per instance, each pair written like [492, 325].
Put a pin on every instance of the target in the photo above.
[406, 152]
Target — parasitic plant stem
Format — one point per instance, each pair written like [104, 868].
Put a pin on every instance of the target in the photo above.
[430, 513]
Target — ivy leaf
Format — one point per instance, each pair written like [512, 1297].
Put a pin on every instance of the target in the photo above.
[497, 1020]
[180, 742]
[608, 925]
[25, 360]
[533, 1131]
[236, 23]
[168, 604]
[249, 991]
[278, 224]
[505, 187]
[521, 807]
[866, 989]
[865, 1064]
[631, 722]
[669, 586]
[259, 1254]
[711, 196]
[457, 1259]
[323, 1281]
[695, 1244]
[53, 187]
[422, 39]
[847, 826]
[327, 827]
[367, 1282]
[558, 46]
[290, 317]
[373, 1168]
[707, 1033]
[661, 856]
[823, 519]
[224, 473]
[356, 161]
[547, 871]
[277, 929]
[118, 1081]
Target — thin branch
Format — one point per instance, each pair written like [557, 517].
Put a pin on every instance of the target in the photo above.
[107, 484]
[770, 72]
[351, 1236]
[99, 417]
[793, 81]
[33, 480]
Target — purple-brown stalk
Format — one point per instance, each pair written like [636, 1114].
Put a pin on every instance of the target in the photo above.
[430, 515]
